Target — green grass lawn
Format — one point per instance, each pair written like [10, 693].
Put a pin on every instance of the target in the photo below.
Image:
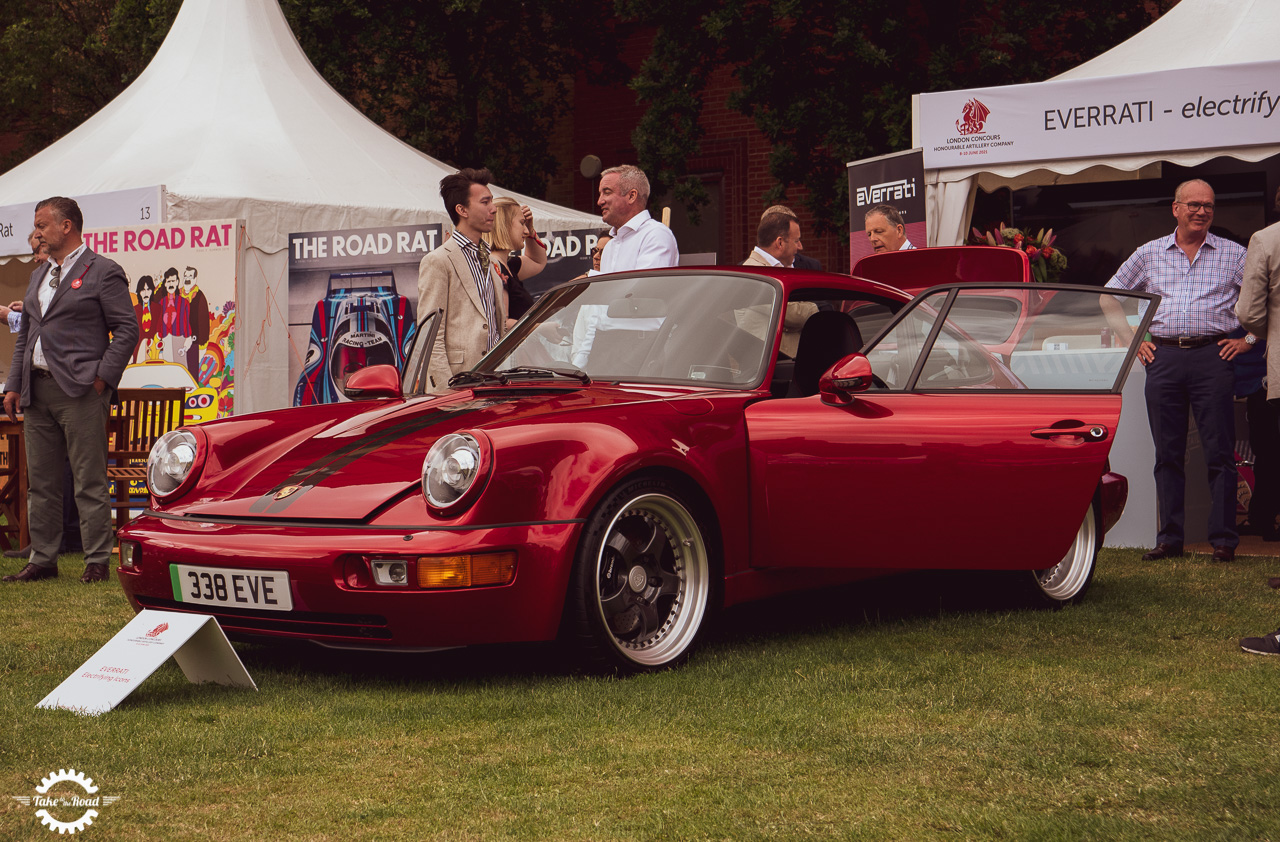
[922, 707]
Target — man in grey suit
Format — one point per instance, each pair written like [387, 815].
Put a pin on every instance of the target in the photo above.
[78, 332]
[459, 279]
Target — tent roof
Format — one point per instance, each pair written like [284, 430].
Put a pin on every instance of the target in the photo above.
[231, 110]
[1194, 33]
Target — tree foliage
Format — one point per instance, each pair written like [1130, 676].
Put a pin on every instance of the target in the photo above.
[828, 81]
[63, 60]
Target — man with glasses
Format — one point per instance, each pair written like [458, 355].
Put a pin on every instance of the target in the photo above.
[1188, 360]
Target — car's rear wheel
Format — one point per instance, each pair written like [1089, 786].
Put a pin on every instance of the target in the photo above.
[641, 586]
[1067, 581]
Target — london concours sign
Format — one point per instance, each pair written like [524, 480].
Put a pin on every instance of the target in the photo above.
[1174, 110]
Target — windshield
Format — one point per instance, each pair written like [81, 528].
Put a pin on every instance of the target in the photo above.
[695, 328]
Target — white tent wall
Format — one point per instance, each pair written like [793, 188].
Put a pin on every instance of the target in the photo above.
[1194, 33]
[235, 123]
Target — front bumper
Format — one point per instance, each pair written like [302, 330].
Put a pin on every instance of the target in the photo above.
[327, 610]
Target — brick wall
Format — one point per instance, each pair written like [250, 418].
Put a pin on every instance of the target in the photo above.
[733, 151]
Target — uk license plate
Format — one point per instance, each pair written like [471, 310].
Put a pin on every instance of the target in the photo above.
[265, 590]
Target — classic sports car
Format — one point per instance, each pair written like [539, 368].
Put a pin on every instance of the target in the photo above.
[640, 452]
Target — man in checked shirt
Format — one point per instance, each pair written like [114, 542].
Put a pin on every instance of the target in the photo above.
[1188, 362]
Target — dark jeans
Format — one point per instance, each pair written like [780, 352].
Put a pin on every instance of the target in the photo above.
[1264, 439]
[1198, 380]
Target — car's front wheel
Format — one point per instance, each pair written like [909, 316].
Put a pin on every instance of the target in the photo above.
[641, 586]
[1067, 581]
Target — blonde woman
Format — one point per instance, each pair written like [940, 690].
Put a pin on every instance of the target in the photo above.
[517, 253]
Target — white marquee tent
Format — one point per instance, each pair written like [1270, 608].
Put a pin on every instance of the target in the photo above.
[234, 122]
[1195, 34]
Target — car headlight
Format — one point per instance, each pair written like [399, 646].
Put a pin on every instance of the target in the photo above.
[172, 459]
[452, 467]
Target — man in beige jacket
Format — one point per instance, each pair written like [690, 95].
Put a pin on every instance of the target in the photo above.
[458, 279]
[1258, 307]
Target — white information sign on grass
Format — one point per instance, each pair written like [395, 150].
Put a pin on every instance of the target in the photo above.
[195, 641]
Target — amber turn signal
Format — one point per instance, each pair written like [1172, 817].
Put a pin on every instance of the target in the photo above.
[466, 571]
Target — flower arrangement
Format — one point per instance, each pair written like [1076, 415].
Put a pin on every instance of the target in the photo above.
[1047, 262]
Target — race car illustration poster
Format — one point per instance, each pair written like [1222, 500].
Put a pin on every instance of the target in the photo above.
[352, 299]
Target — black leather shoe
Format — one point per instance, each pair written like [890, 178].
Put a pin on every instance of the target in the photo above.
[32, 573]
[1163, 551]
[94, 573]
[25, 552]
[1223, 554]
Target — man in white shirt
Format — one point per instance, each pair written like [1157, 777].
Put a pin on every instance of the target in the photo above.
[886, 230]
[639, 240]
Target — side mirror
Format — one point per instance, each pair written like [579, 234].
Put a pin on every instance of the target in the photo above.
[842, 381]
[375, 381]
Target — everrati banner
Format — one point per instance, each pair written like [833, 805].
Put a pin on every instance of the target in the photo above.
[1173, 110]
[895, 179]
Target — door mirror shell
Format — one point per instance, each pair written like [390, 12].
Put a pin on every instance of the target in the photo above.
[375, 381]
[842, 381]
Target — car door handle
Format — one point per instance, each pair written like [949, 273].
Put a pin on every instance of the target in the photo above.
[1086, 432]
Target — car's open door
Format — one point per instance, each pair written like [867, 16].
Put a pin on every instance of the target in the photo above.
[953, 456]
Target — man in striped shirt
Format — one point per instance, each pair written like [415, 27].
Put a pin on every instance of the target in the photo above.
[458, 279]
[1188, 360]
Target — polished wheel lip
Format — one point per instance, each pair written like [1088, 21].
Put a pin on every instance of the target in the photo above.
[1067, 579]
[680, 626]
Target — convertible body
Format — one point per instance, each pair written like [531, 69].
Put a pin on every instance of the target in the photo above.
[646, 448]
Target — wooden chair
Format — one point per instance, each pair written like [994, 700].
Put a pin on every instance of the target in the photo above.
[143, 416]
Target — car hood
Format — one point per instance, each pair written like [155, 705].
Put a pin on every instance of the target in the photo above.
[339, 463]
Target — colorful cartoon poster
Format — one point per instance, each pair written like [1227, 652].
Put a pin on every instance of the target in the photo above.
[353, 295]
[182, 277]
[568, 257]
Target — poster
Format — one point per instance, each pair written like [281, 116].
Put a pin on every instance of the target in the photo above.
[352, 299]
[895, 179]
[182, 278]
[568, 256]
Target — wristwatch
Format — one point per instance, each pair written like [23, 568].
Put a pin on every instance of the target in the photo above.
[1250, 340]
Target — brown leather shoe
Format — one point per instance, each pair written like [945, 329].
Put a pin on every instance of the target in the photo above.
[1163, 551]
[1223, 554]
[94, 573]
[32, 573]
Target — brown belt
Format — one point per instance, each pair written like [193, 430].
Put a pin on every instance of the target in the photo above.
[41, 372]
[1189, 341]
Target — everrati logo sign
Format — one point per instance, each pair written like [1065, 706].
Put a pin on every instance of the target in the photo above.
[974, 117]
[59, 805]
[158, 630]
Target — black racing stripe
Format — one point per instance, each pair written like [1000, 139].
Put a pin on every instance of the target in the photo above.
[330, 463]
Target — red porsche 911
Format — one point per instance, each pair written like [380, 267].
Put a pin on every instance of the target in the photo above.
[644, 449]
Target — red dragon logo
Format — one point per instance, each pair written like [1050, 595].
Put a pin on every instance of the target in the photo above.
[975, 115]
[158, 630]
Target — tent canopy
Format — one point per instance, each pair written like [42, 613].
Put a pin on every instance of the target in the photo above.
[231, 118]
[1193, 34]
